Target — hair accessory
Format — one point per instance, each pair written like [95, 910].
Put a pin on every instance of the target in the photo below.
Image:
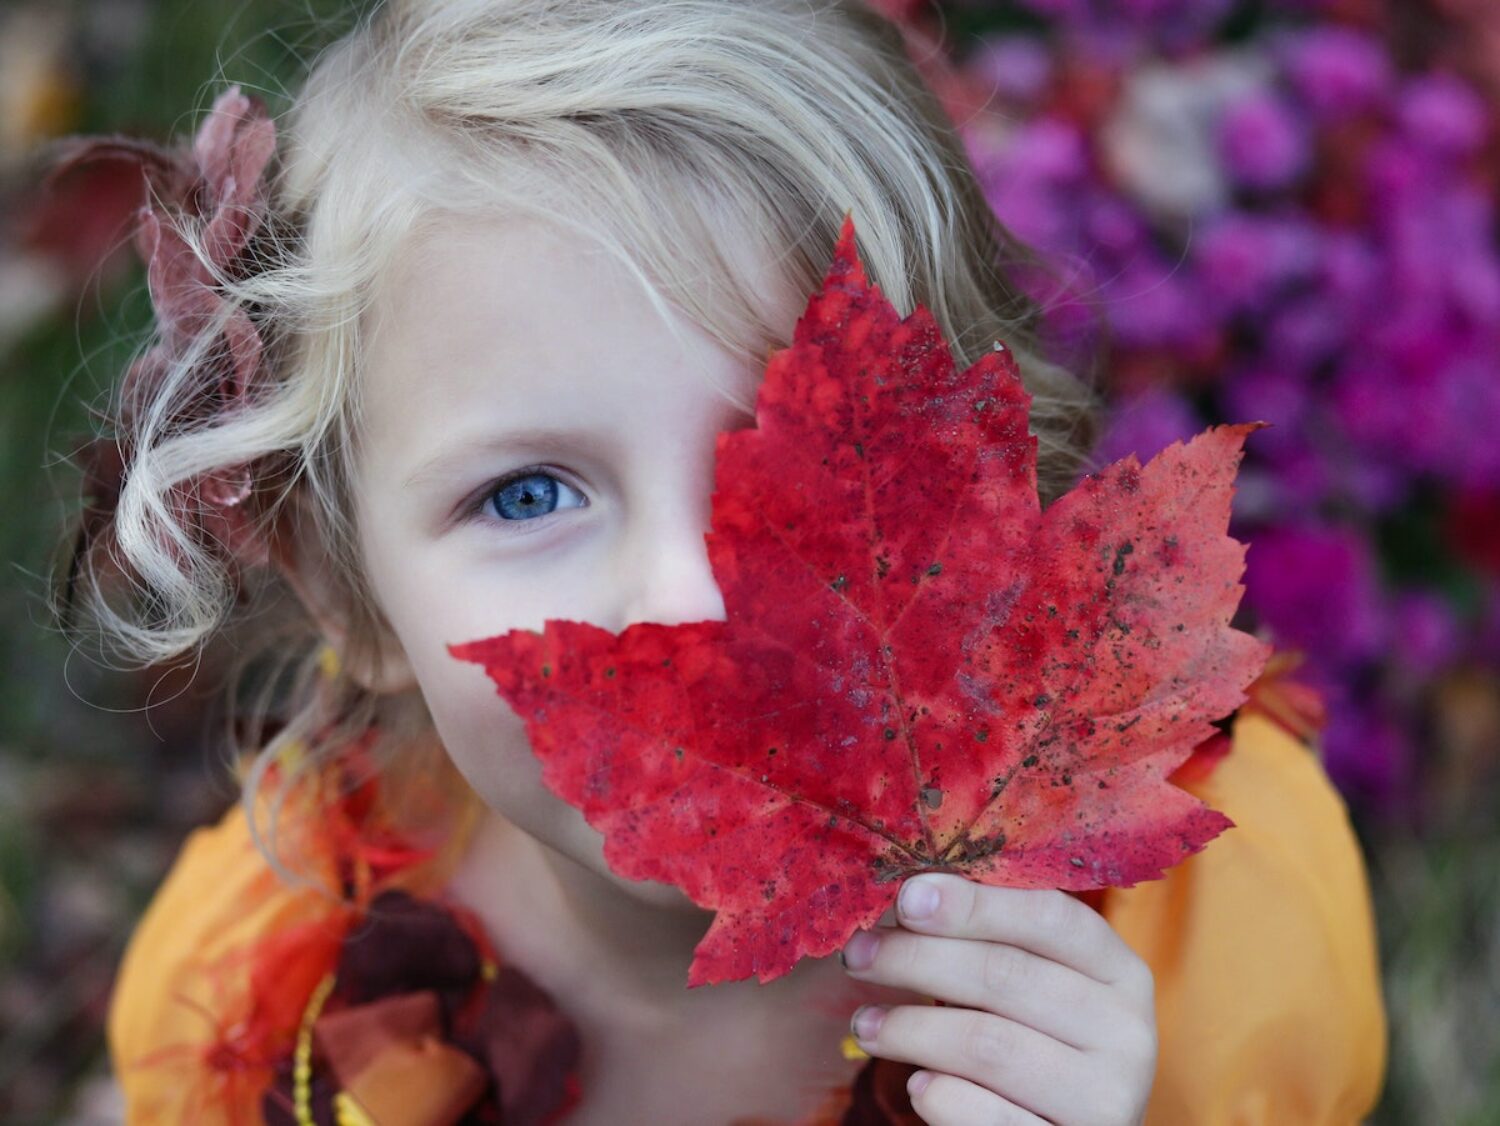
[217, 185]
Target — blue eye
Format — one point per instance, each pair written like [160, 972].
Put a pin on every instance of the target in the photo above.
[529, 494]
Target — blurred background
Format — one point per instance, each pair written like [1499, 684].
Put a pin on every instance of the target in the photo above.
[1253, 209]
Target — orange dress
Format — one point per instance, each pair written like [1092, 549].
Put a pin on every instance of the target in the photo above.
[1262, 946]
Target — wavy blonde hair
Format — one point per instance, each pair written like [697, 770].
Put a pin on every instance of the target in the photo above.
[661, 121]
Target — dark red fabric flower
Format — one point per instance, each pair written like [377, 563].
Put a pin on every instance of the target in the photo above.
[421, 1013]
[217, 188]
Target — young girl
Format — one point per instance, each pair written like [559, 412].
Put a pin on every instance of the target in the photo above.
[444, 354]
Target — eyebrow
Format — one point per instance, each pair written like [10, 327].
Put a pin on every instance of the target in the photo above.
[530, 442]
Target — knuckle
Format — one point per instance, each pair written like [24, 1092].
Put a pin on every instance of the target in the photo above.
[1054, 910]
[1003, 970]
[988, 1044]
[971, 904]
[898, 955]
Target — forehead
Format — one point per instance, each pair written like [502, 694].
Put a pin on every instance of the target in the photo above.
[528, 317]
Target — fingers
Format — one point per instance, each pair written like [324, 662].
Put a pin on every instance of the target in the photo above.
[947, 1100]
[1014, 1063]
[1046, 922]
[998, 978]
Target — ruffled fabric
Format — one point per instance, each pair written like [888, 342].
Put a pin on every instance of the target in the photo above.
[242, 999]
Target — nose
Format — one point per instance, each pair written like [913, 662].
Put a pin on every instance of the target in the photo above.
[669, 579]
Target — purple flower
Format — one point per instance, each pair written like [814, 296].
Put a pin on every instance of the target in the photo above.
[1373, 405]
[1467, 419]
[1162, 25]
[1145, 424]
[1268, 394]
[1373, 483]
[1336, 71]
[1018, 67]
[1486, 643]
[1302, 475]
[1244, 260]
[1368, 755]
[1349, 270]
[1425, 632]
[1316, 587]
[1033, 182]
[1152, 303]
[1304, 333]
[1262, 143]
[1443, 115]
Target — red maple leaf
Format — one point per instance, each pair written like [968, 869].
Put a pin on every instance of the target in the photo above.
[920, 669]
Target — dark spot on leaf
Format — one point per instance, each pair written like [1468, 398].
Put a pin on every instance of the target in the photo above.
[1029, 760]
[678, 752]
[770, 750]
[932, 796]
[546, 670]
[1042, 700]
[882, 566]
[1076, 861]
[610, 672]
[859, 448]
[983, 735]
[890, 733]
[839, 583]
[935, 569]
[1120, 553]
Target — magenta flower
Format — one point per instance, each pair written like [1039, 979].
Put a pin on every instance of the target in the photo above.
[1145, 424]
[1017, 67]
[1443, 115]
[1369, 755]
[1244, 261]
[1270, 394]
[1336, 71]
[1262, 143]
[1425, 632]
[1316, 587]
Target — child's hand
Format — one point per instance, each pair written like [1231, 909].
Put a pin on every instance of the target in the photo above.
[1052, 1016]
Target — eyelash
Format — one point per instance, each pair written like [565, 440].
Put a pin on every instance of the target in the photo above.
[478, 506]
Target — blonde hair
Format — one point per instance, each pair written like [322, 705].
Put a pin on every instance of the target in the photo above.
[664, 122]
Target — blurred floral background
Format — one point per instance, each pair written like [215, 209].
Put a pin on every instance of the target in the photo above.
[1250, 209]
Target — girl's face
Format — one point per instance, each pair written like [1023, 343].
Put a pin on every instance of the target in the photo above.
[535, 444]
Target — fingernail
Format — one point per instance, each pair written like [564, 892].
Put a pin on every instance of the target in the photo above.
[917, 1082]
[867, 1021]
[918, 899]
[859, 954]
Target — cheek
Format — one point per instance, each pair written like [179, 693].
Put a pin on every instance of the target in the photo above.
[487, 742]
